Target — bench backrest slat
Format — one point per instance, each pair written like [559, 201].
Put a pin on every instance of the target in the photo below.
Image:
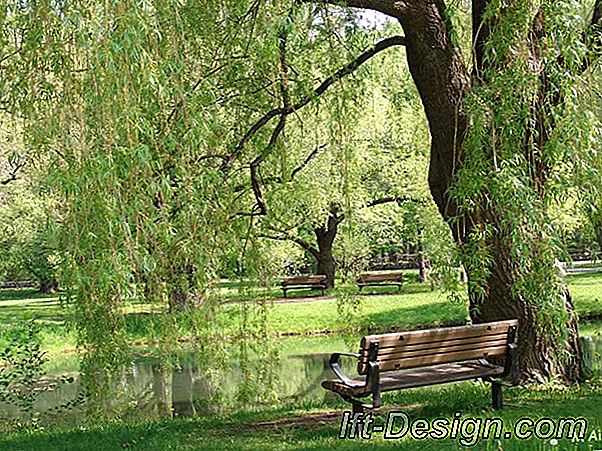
[297, 280]
[434, 346]
[368, 277]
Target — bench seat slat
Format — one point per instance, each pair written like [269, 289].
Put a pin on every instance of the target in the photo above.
[380, 277]
[302, 280]
[417, 377]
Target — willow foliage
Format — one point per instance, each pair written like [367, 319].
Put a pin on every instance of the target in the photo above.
[137, 106]
[531, 128]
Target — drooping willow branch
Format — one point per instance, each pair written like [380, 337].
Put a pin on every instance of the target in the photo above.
[321, 89]
[261, 208]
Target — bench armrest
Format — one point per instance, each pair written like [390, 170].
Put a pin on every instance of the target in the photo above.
[336, 368]
[510, 368]
[373, 381]
[511, 364]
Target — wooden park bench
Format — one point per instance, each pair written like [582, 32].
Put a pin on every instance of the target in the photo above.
[378, 279]
[17, 284]
[397, 361]
[304, 282]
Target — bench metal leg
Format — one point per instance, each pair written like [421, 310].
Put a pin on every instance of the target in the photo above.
[357, 407]
[496, 396]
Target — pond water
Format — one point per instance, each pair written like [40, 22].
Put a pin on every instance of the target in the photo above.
[145, 388]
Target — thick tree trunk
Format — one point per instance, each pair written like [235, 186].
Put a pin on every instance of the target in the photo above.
[327, 266]
[423, 263]
[181, 295]
[49, 285]
[325, 238]
[443, 81]
[536, 349]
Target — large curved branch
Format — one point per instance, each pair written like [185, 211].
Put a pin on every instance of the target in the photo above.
[391, 199]
[301, 242]
[321, 89]
[388, 7]
[261, 207]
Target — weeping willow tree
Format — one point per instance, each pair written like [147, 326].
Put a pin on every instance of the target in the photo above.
[158, 110]
[122, 98]
[502, 132]
[501, 107]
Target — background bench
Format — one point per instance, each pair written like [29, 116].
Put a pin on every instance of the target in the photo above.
[304, 282]
[428, 357]
[376, 279]
[16, 284]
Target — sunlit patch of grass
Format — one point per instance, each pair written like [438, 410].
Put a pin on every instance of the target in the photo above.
[380, 309]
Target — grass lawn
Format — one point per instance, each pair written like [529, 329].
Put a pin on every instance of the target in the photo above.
[316, 427]
[383, 309]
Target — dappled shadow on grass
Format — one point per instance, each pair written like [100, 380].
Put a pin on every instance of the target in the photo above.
[25, 293]
[415, 316]
[43, 309]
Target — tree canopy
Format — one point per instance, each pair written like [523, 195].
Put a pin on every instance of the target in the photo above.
[177, 134]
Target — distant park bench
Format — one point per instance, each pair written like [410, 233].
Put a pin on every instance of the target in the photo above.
[16, 284]
[380, 279]
[304, 282]
[427, 357]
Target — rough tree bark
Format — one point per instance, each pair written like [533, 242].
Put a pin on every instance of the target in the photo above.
[325, 236]
[443, 80]
[49, 285]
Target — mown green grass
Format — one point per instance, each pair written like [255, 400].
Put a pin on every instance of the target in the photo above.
[586, 290]
[593, 328]
[380, 309]
[315, 427]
